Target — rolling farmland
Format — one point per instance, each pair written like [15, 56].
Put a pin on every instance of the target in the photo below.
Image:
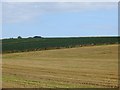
[36, 44]
[78, 67]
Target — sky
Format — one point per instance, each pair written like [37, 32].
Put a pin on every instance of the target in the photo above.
[59, 19]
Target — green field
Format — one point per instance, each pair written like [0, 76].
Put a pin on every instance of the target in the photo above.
[36, 44]
[79, 67]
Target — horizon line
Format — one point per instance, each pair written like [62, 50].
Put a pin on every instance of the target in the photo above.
[60, 36]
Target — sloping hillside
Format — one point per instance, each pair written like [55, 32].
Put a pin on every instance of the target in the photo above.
[85, 67]
[31, 44]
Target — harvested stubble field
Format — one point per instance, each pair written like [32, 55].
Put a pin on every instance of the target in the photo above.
[81, 67]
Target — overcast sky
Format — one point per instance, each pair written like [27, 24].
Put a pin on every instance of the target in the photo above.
[59, 19]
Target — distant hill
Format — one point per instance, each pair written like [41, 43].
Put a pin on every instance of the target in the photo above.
[31, 44]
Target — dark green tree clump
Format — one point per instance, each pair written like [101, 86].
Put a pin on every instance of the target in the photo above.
[19, 37]
[37, 37]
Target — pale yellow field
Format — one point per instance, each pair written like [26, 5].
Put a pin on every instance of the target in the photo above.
[82, 67]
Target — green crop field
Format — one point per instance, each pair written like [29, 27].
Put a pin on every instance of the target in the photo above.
[36, 44]
[79, 67]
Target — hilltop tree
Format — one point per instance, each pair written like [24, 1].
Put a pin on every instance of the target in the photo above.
[19, 37]
[37, 37]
